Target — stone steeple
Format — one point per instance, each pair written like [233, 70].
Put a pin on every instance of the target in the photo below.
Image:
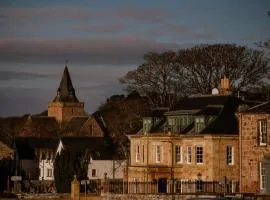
[65, 91]
[65, 105]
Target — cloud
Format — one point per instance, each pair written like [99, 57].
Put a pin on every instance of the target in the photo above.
[94, 50]
[9, 75]
[83, 13]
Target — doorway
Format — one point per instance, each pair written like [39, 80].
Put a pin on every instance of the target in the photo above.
[162, 185]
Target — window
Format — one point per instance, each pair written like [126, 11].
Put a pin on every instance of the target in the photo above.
[262, 132]
[49, 172]
[158, 153]
[199, 124]
[137, 153]
[189, 152]
[178, 154]
[199, 155]
[142, 153]
[230, 155]
[147, 125]
[94, 172]
[262, 176]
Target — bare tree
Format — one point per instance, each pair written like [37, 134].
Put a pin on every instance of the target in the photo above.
[155, 79]
[204, 66]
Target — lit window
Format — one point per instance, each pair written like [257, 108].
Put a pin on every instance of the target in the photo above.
[49, 172]
[178, 154]
[199, 124]
[230, 155]
[262, 132]
[158, 153]
[94, 172]
[137, 153]
[189, 153]
[199, 155]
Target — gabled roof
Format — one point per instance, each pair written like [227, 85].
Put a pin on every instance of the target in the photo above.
[96, 146]
[26, 146]
[40, 127]
[75, 124]
[12, 125]
[66, 92]
[263, 108]
[201, 101]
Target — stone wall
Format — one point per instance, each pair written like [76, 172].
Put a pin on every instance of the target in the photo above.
[64, 111]
[213, 168]
[251, 153]
[5, 151]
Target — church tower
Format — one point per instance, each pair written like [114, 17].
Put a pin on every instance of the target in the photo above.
[65, 105]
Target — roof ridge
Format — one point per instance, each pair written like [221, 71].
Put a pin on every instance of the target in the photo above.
[264, 103]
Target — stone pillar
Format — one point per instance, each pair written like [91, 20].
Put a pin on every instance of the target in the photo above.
[104, 185]
[75, 189]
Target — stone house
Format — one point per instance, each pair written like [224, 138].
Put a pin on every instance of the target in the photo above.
[197, 140]
[254, 145]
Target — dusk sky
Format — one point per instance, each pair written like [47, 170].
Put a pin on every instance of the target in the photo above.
[104, 39]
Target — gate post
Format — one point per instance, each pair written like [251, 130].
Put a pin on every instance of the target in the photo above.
[75, 189]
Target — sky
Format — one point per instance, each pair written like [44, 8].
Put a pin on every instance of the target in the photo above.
[103, 40]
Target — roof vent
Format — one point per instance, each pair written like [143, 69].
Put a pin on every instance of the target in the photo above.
[215, 91]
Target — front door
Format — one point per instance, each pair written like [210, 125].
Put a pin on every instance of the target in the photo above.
[162, 185]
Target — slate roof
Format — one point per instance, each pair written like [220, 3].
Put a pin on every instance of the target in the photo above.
[26, 145]
[12, 125]
[221, 107]
[40, 127]
[75, 124]
[263, 108]
[201, 101]
[97, 146]
[66, 92]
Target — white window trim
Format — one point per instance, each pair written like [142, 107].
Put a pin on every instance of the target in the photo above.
[262, 176]
[199, 163]
[232, 154]
[49, 172]
[189, 147]
[261, 132]
[181, 154]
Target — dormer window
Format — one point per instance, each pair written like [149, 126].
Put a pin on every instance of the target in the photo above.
[199, 124]
[147, 125]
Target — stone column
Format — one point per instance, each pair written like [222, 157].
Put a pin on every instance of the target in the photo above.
[75, 189]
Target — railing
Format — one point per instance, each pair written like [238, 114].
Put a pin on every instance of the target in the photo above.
[172, 187]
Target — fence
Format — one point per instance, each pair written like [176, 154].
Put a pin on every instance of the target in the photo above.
[171, 187]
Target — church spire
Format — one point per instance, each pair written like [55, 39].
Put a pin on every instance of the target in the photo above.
[65, 91]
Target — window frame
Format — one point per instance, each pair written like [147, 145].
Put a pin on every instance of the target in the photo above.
[262, 176]
[199, 160]
[199, 124]
[94, 172]
[158, 153]
[137, 153]
[189, 154]
[178, 154]
[49, 172]
[230, 155]
[262, 132]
